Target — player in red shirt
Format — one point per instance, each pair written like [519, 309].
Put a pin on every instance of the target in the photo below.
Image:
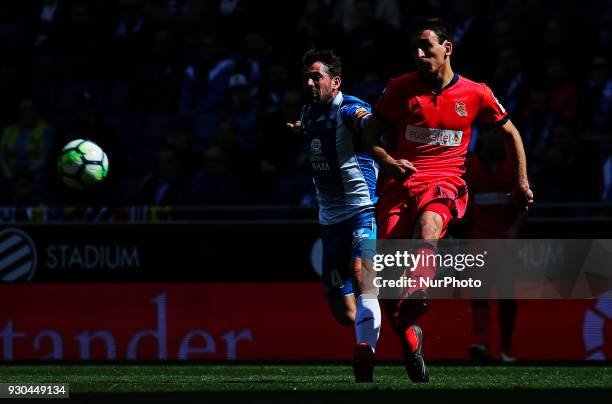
[430, 113]
[490, 176]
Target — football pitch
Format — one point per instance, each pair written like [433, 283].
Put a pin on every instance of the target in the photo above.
[304, 383]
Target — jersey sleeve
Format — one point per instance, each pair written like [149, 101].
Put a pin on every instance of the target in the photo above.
[351, 114]
[389, 106]
[491, 111]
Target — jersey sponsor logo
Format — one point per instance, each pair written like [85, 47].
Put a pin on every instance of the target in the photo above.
[460, 109]
[441, 137]
[317, 159]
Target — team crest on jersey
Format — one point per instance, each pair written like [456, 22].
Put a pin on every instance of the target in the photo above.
[460, 109]
[315, 147]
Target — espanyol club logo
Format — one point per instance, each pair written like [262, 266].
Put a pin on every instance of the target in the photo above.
[315, 147]
[597, 320]
[460, 109]
[17, 256]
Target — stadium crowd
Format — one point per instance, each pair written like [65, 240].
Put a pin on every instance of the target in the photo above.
[189, 98]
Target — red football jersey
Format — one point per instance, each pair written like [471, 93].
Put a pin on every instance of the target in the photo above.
[432, 129]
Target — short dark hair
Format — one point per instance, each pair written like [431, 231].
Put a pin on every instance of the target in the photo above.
[326, 57]
[433, 24]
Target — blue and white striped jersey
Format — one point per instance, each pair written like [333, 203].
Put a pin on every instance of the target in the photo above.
[344, 174]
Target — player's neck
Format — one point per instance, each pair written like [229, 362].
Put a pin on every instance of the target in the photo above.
[323, 108]
[440, 79]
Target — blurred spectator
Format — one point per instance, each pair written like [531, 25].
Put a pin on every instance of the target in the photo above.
[503, 35]
[508, 80]
[157, 85]
[569, 158]
[536, 121]
[196, 83]
[243, 110]
[470, 35]
[316, 31]
[276, 81]
[244, 163]
[24, 145]
[26, 190]
[490, 178]
[257, 48]
[46, 21]
[281, 151]
[206, 81]
[278, 146]
[371, 46]
[555, 36]
[563, 92]
[596, 98]
[181, 140]
[164, 185]
[83, 42]
[165, 79]
[347, 13]
[216, 182]
[178, 14]
[132, 37]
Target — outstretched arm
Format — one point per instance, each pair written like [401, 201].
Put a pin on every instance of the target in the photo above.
[295, 127]
[373, 129]
[521, 194]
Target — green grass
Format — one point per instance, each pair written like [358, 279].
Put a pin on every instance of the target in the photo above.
[191, 378]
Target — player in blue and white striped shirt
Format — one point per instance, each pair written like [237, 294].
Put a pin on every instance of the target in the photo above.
[345, 180]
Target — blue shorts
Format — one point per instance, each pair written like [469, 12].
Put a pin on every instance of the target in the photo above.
[352, 238]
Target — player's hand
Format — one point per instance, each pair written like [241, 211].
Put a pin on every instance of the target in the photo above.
[295, 127]
[399, 169]
[521, 196]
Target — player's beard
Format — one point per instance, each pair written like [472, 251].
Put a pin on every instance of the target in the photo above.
[314, 97]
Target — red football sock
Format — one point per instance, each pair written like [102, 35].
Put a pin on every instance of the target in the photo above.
[426, 268]
[411, 339]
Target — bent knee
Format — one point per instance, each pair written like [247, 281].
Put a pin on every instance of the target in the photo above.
[428, 232]
[429, 227]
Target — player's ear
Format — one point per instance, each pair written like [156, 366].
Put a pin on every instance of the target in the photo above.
[336, 80]
[448, 45]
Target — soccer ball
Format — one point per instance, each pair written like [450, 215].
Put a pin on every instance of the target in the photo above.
[82, 164]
